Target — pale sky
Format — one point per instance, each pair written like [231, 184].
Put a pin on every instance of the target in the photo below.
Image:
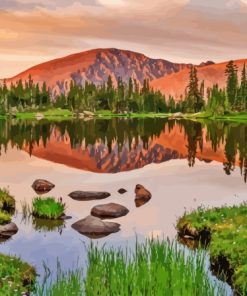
[34, 31]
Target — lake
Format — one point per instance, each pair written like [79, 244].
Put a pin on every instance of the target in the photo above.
[185, 164]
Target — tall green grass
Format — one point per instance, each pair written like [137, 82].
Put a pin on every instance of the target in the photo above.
[155, 268]
[66, 283]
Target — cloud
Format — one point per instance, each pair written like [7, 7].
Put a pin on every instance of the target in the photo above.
[179, 30]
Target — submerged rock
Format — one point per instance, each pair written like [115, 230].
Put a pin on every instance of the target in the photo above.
[7, 230]
[41, 186]
[94, 227]
[122, 191]
[111, 210]
[88, 195]
[142, 195]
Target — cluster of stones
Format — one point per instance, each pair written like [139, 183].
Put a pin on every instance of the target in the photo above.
[93, 225]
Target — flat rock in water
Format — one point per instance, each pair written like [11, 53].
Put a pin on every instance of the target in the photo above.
[142, 195]
[94, 227]
[88, 195]
[109, 211]
[122, 191]
[41, 186]
[7, 230]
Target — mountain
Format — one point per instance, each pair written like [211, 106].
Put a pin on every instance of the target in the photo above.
[95, 66]
[176, 83]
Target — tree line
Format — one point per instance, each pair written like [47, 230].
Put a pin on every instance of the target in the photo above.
[122, 98]
[129, 97]
[233, 97]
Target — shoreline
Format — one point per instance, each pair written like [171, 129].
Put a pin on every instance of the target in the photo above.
[63, 114]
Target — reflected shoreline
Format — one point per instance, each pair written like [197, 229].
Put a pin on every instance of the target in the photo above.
[115, 145]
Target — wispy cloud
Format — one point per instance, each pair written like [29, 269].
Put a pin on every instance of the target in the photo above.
[179, 30]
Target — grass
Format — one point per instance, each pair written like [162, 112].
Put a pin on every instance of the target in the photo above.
[66, 283]
[4, 218]
[109, 114]
[228, 227]
[50, 114]
[47, 208]
[7, 201]
[16, 277]
[154, 268]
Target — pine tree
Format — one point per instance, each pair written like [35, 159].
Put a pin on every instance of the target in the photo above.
[232, 83]
[130, 88]
[243, 89]
[194, 100]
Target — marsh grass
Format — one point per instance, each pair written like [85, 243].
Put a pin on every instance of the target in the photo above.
[228, 227]
[26, 210]
[47, 208]
[16, 277]
[66, 283]
[155, 268]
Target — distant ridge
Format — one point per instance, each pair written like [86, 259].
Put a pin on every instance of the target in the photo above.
[176, 83]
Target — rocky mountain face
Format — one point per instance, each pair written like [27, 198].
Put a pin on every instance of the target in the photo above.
[95, 66]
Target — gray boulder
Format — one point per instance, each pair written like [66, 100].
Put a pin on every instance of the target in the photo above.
[88, 195]
[94, 227]
[109, 211]
[7, 230]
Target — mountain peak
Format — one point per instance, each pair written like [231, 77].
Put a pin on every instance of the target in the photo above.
[95, 66]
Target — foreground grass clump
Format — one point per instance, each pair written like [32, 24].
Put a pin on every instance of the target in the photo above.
[16, 277]
[66, 283]
[228, 230]
[7, 201]
[47, 208]
[155, 268]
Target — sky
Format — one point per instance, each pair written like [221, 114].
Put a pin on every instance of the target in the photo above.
[34, 31]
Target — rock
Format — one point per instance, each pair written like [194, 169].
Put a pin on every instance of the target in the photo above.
[88, 113]
[81, 115]
[108, 211]
[7, 230]
[41, 186]
[94, 227]
[39, 116]
[122, 191]
[176, 115]
[88, 195]
[142, 195]
[65, 217]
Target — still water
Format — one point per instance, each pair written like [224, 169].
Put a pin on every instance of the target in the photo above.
[184, 164]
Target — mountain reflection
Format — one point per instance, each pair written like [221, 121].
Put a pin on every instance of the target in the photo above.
[115, 145]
